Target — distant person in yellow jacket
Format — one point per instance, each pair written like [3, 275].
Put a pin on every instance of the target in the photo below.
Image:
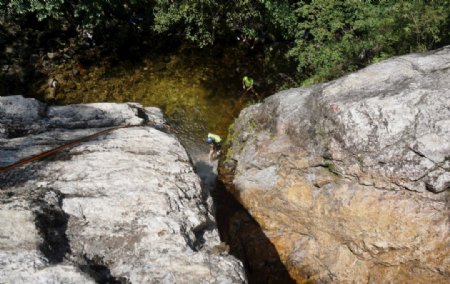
[216, 148]
[247, 83]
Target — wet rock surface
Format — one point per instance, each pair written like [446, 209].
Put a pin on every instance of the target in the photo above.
[124, 207]
[350, 179]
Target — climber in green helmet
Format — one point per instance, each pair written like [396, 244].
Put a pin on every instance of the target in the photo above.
[216, 148]
[247, 83]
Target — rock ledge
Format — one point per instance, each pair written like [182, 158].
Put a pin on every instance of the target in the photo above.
[125, 207]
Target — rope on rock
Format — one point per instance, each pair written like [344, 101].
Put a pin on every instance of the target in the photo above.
[58, 149]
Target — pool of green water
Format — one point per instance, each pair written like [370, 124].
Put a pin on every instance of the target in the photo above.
[200, 91]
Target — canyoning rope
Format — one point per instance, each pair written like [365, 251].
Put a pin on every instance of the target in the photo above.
[58, 149]
[239, 103]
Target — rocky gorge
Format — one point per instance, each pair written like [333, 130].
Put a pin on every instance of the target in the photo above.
[350, 179]
[123, 207]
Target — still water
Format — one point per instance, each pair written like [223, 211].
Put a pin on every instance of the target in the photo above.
[199, 91]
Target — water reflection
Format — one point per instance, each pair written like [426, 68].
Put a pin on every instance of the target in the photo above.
[198, 90]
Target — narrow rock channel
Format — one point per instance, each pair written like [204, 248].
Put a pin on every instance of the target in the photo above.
[240, 234]
[247, 241]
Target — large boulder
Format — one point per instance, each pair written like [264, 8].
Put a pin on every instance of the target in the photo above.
[123, 207]
[350, 179]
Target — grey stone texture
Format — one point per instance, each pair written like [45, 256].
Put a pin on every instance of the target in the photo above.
[350, 179]
[125, 206]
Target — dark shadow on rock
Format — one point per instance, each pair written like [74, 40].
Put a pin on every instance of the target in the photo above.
[18, 176]
[207, 176]
[46, 205]
[96, 268]
[51, 221]
[242, 233]
[199, 233]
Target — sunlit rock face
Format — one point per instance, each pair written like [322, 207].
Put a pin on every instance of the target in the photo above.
[350, 179]
[125, 207]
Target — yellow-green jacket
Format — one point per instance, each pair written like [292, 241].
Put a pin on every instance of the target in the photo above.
[215, 137]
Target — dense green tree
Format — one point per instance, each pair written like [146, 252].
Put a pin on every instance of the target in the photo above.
[420, 25]
[335, 37]
[324, 38]
[205, 21]
[198, 21]
[82, 15]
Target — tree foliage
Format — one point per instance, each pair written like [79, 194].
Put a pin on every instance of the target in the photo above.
[334, 37]
[197, 20]
[205, 21]
[326, 38]
[81, 15]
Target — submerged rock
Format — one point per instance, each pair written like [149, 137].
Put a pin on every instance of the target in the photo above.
[125, 207]
[350, 179]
